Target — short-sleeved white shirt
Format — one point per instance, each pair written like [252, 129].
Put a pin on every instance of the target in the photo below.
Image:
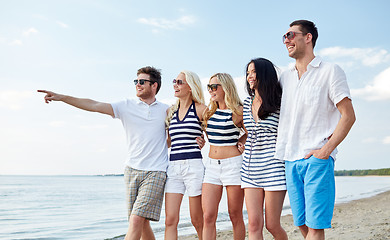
[308, 112]
[145, 133]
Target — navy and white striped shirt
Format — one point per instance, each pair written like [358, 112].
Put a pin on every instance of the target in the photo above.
[183, 135]
[221, 130]
[259, 166]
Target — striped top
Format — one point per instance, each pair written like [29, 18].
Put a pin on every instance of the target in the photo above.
[221, 130]
[259, 166]
[183, 135]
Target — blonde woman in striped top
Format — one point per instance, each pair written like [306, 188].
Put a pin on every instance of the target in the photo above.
[185, 169]
[224, 124]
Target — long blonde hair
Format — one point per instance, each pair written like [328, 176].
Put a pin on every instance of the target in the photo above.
[232, 100]
[193, 81]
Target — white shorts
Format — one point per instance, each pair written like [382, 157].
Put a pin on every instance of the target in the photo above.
[223, 172]
[185, 175]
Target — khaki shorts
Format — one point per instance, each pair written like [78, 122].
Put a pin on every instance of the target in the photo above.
[144, 193]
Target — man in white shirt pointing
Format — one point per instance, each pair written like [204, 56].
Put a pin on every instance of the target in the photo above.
[144, 122]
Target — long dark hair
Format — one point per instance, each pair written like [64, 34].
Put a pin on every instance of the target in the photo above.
[267, 85]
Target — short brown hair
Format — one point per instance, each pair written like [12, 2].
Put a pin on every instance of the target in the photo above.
[306, 27]
[154, 73]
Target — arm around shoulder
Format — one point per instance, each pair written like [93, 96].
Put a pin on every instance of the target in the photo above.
[201, 109]
[238, 118]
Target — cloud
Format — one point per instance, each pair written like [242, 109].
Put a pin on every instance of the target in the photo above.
[162, 23]
[30, 31]
[102, 150]
[378, 89]
[366, 56]
[369, 140]
[14, 100]
[42, 17]
[63, 25]
[281, 69]
[93, 126]
[386, 140]
[16, 42]
[168, 101]
[3, 40]
[241, 87]
[57, 123]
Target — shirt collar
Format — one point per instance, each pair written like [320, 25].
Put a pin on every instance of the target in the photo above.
[138, 101]
[316, 62]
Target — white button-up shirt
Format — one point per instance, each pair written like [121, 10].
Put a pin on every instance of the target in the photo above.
[308, 112]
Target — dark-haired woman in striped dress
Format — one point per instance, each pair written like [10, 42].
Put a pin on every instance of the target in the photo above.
[262, 176]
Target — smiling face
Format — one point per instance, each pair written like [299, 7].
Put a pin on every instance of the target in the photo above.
[181, 90]
[296, 46]
[251, 76]
[217, 95]
[145, 91]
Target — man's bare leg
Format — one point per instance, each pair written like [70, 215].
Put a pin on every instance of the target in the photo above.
[137, 227]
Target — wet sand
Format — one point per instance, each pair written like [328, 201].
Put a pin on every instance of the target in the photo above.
[367, 219]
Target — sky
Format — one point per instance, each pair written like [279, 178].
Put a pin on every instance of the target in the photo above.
[92, 49]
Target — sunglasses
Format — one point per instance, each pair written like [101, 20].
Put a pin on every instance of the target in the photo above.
[141, 81]
[290, 35]
[213, 87]
[178, 81]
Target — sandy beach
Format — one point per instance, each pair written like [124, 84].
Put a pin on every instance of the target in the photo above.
[367, 219]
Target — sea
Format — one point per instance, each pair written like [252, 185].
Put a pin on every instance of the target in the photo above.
[93, 207]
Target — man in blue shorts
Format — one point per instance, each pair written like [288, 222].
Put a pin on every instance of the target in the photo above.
[144, 122]
[316, 114]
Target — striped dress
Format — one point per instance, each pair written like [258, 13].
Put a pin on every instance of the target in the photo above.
[259, 167]
[183, 135]
[221, 130]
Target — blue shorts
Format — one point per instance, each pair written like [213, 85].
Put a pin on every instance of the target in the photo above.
[311, 189]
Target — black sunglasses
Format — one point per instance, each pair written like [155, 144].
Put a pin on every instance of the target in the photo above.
[290, 35]
[178, 82]
[213, 87]
[141, 81]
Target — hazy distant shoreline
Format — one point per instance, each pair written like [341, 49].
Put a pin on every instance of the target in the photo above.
[339, 173]
[350, 173]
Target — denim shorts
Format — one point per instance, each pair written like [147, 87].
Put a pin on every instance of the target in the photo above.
[185, 175]
[311, 190]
